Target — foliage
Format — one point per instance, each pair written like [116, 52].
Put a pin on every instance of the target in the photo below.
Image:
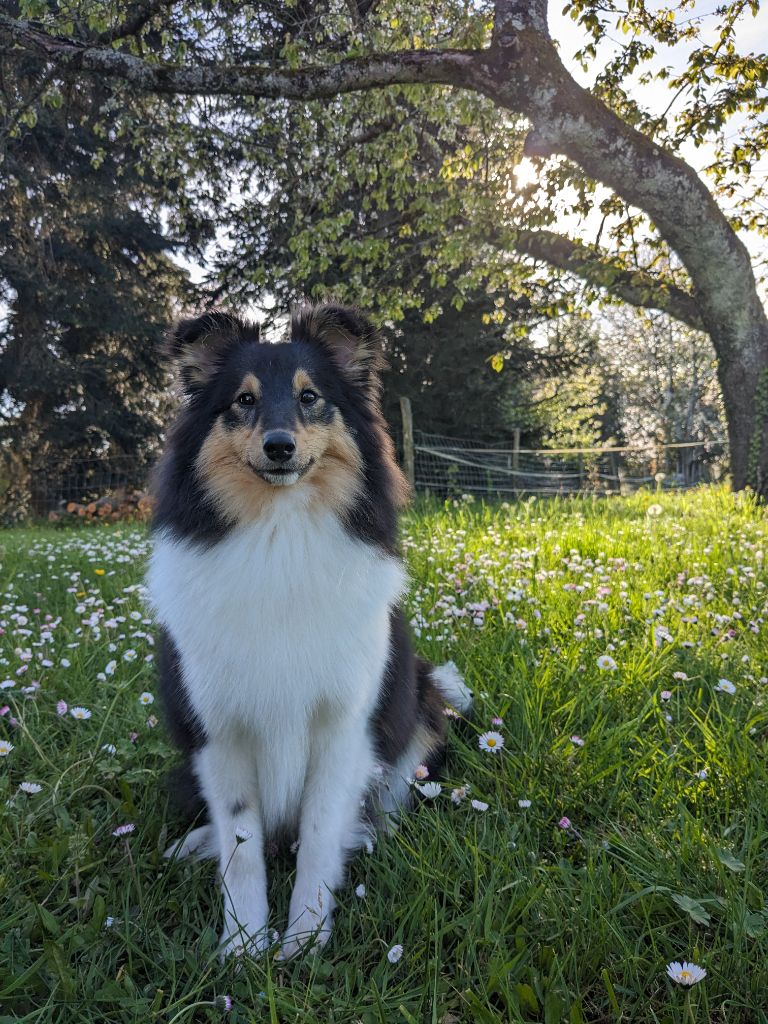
[665, 379]
[85, 273]
[502, 914]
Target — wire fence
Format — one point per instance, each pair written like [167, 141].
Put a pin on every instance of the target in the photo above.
[447, 466]
[444, 466]
[83, 482]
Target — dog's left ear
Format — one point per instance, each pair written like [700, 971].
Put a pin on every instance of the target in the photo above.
[347, 335]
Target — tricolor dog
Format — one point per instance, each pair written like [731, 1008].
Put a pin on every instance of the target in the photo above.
[287, 673]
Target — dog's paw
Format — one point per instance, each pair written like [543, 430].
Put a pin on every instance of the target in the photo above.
[199, 843]
[305, 936]
[242, 942]
[309, 927]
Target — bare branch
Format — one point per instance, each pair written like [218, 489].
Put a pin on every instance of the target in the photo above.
[597, 268]
[413, 67]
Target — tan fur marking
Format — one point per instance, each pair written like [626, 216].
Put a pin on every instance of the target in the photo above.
[252, 384]
[334, 480]
[302, 380]
[239, 494]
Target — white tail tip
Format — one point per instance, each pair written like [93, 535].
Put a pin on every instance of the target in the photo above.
[450, 683]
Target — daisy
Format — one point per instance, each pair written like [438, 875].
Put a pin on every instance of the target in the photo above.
[109, 748]
[146, 698]
[564, 822]
[30, 787]
[492, 741]
[223, 1003]
[360, 891]
[725, 686]
[80, 713]
[124, 830]
[5, 748]
[665, 694]
[422, 772]
[243, 834]
[497, 721]
[606, 663]
[524, 803]
[577, 741]
[685, 973]
[395, 953]
[479, 805]
[459, 794]
[62, 708]
[430, 790]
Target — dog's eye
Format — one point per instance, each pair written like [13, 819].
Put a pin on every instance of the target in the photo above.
[245, 399]
[307, 397]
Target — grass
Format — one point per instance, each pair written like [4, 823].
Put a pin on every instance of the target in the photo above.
[503, 915]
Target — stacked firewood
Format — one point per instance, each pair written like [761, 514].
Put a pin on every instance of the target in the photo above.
[119, 506]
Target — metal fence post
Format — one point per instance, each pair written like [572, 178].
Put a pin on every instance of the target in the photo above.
[409, 459]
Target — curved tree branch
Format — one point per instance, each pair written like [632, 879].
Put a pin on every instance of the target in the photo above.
[598, 269]
[269, 81]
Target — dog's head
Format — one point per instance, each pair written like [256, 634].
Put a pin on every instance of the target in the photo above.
[273, 417]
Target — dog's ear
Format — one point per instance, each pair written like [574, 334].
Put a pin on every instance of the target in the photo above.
[345, 333]
[196, 345]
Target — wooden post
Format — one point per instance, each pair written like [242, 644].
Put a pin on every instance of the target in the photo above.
[516, 449]
[409, 459]
[515, 458]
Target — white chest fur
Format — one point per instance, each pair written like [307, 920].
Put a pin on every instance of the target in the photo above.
[282, 619]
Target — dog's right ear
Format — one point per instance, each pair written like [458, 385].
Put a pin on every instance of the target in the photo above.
[196, 345]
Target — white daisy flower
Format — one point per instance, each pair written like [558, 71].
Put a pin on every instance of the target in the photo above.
[685, 973]
[492, 741]
[243, 834]
[30, 787]
[146, 698]
[80, 713]
[459, 794]
[422, 772]
[524, 803]
[5, 748]
[606, 663]
[395, 953]
[430, 790]
[725, 686]
[360, 891]
[479, 805]
[109, 748]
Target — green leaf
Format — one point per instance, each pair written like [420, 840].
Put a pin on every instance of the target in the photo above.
[727, 858]
[692, 907]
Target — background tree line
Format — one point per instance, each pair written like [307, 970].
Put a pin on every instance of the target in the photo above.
[404, 199]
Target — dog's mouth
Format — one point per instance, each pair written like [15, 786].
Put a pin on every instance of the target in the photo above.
[281, 476]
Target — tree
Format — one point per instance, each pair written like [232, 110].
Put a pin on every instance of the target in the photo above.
[666, 374]
[506, 54]
[89, 287]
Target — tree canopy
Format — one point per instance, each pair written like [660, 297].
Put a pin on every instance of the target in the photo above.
[257, 93]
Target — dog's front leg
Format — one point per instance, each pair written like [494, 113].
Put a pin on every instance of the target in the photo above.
[225, 767]
[340, 768]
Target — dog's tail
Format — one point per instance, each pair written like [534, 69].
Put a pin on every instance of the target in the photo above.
[450, 683]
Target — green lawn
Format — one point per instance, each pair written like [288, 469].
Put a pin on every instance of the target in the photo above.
[503, 915]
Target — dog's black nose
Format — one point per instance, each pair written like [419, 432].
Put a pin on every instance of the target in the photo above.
[279, 446]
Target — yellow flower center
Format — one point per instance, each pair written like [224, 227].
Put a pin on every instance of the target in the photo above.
[685, 974]
[491, 743]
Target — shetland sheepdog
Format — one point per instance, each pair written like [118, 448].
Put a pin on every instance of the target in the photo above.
[287, 674]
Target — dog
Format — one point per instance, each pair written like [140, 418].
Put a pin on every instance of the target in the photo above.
[286, 670]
